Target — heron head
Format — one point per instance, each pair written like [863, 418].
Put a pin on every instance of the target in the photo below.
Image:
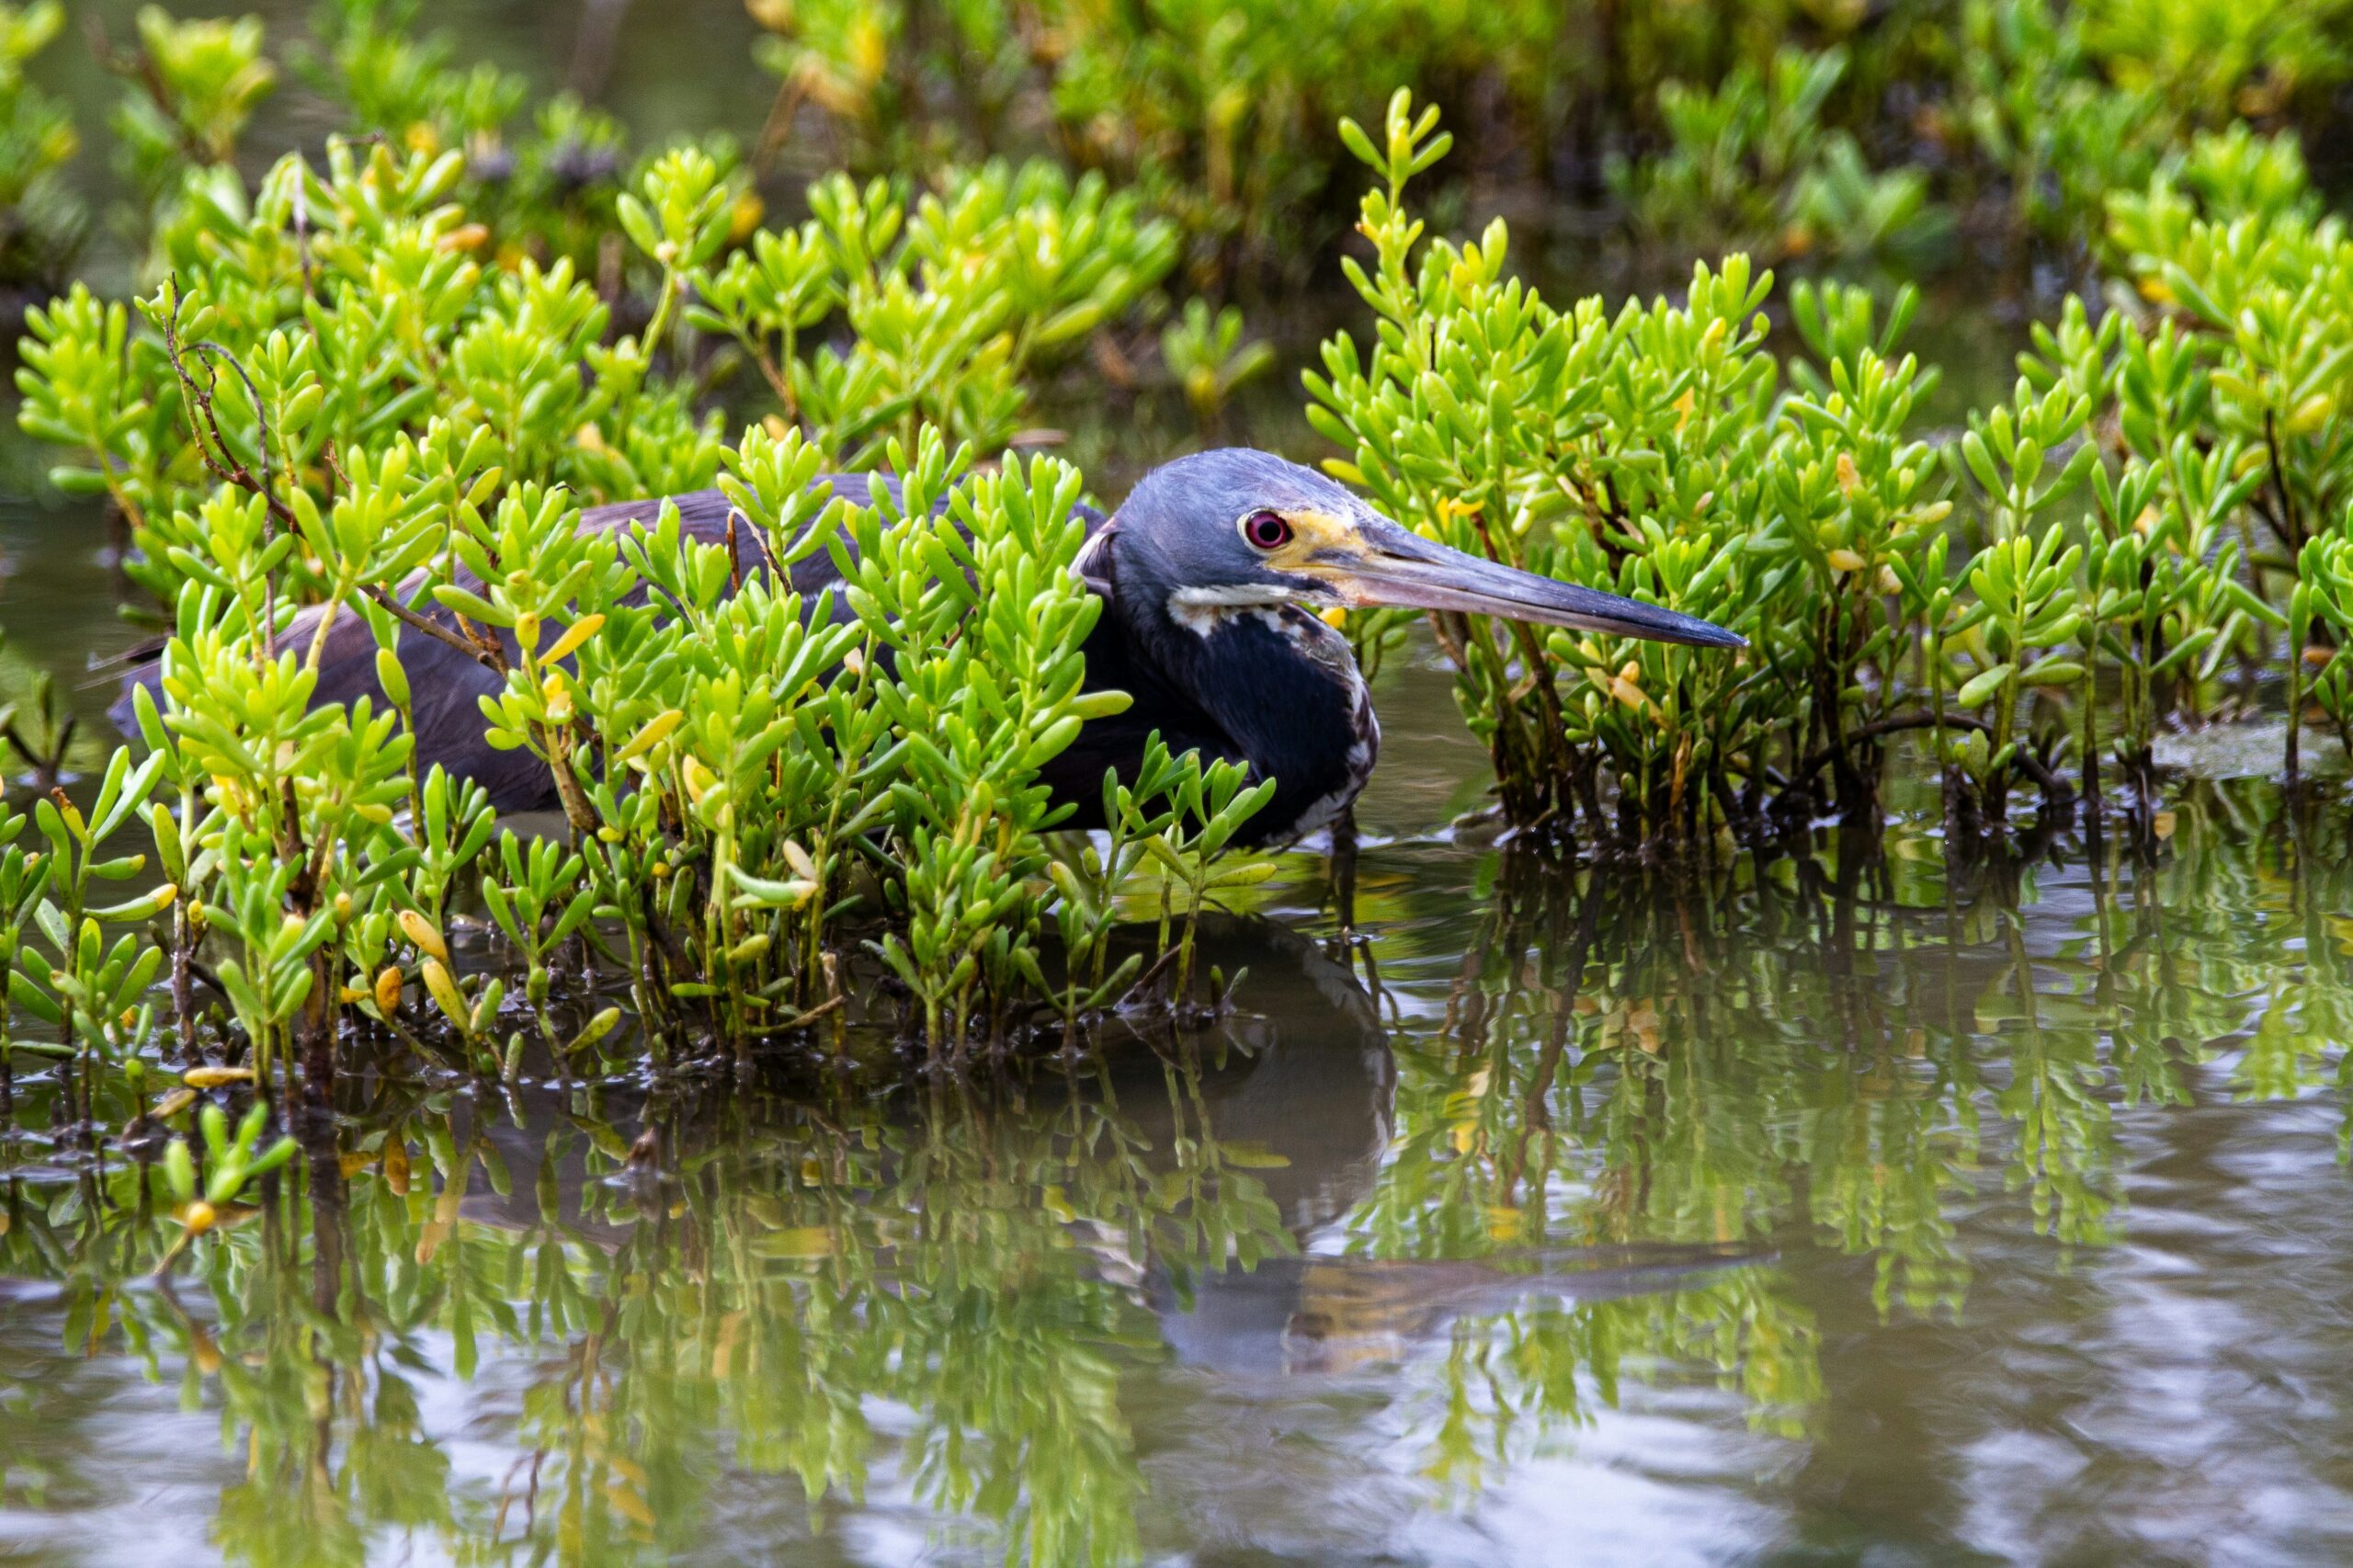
[1233, 529]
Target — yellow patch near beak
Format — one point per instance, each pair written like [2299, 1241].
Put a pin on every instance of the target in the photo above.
[1313, 535]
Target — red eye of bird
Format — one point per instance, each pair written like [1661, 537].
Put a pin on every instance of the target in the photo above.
[1266, 530]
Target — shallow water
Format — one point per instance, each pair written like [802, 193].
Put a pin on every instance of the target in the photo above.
[1883, 1217]
[1861, 1212]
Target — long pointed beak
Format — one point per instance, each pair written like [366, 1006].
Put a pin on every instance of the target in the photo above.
[1402, 569]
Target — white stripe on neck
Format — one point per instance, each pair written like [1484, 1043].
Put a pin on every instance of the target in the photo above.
[1203, 610]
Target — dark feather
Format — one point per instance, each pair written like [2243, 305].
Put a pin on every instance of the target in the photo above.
[448, 685]
[1272, 687]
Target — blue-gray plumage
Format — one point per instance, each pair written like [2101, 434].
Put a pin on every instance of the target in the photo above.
[1210, 573]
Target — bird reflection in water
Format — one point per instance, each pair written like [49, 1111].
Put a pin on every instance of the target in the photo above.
[1050, 1305]
[1289, 1104]
[1304, 1315]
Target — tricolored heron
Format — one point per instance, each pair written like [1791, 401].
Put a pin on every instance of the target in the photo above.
[1210, 573]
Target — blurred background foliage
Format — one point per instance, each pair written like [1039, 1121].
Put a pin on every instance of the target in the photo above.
[1791, 129]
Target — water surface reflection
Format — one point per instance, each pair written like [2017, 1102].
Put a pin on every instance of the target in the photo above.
[1852, 1212]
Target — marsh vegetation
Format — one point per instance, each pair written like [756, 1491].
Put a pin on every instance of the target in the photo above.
[800, 1098]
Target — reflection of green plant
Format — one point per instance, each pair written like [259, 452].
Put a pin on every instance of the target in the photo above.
[232, 1162]
[1575, 1100]
[962, 1267]
[1617, 1069]
[1769, 1059]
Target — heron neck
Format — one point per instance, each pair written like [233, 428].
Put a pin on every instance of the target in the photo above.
[1278, 685]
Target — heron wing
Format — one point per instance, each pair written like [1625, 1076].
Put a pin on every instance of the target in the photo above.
[447, 685]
